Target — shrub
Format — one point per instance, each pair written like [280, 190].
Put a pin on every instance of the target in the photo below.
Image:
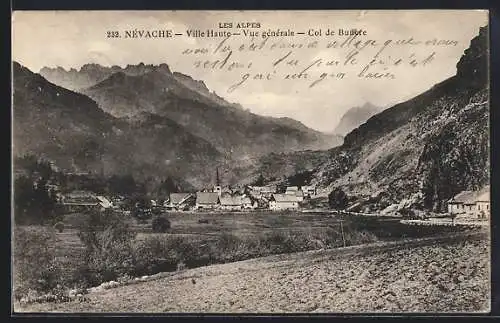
[160, 253]
[108, 247]
[337, 199]
[360, 237]
[231, 248]
[407, 213]
[160, 224]
[35, 267]
[59, 226]
[181, 266]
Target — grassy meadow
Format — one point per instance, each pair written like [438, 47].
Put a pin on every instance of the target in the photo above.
[193, 240]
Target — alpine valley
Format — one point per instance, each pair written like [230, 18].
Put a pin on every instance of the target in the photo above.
[146, 121]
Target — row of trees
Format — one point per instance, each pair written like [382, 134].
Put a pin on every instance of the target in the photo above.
[33, 202]
[299, 179]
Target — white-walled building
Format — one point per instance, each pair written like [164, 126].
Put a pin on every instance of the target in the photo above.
[283, 202]
[471, 203]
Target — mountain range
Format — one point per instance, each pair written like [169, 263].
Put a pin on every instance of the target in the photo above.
[127, 92]
[143, 120]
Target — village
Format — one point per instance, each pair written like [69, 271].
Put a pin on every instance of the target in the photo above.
[222, 198]
[466, 205]
[259, 196]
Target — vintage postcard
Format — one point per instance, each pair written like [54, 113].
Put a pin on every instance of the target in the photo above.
[251, 161]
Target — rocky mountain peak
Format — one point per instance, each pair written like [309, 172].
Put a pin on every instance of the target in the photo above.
[192, 83]
[473, 65]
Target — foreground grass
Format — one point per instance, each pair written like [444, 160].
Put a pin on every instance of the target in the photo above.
[447, 275]
[191, 243]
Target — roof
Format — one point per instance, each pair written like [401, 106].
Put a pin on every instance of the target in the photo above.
[231, 200]
[177, 198]
[81, 203]
[292, 188]
[484, 197]
[88, 200]
[246, 200]
[207, 198]
[471, 197]
[104, 201]
[284, 198]
[465, 197]
[267, 188]
[484, 194]
[80, 194]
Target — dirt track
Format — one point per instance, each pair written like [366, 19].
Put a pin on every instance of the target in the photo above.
[447, 274]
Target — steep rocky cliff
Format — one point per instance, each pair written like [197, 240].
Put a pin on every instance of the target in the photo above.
[423, 151]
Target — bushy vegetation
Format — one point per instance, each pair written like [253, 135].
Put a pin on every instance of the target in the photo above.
[337, 199]
[300, 178]
[164, 253]
[112, 252]
[59, 226]
[160, 224]
[108, 248]
[35, 269]
[33, 203]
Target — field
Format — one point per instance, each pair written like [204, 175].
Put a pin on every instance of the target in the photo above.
[201, 239]
[447, 274]
[247, 225]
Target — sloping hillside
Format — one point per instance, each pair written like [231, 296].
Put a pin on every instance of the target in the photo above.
[70, 129]
[54, 122]
[229, 128]
[424, 150]
[125, 92]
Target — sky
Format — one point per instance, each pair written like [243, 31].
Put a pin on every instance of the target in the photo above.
[71, 39]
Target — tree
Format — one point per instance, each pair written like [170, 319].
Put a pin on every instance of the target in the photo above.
[259, 181]
[160, 224]
[300, 178]
[108, 246]
[45, 201]
[337, 199]
[33, 203]
[141, 208]
[281, 187]
[23, 198]
[122, 184]
[168, 186]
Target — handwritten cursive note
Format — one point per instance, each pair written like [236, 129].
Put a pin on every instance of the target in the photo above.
[333, 59]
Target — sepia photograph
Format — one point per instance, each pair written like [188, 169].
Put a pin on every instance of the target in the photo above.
[328, 161]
